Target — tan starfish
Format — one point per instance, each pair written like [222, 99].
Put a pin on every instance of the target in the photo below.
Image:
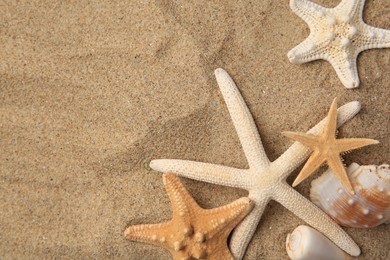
[326, 148]
[337, 35]
[265, 180]
[193, 232]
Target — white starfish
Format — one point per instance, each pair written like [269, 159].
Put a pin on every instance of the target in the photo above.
[264, 180]
[337, 35]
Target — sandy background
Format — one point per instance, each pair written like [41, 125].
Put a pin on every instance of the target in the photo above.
[90, 90]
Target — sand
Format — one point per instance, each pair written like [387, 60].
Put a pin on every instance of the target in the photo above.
[92, 90]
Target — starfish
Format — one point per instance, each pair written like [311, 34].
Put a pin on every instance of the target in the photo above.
[193, 232]
[326, 148]
[337, 35]
[264, 180]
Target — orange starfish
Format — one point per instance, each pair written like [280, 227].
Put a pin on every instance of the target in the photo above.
[193, 232]
[326, 148]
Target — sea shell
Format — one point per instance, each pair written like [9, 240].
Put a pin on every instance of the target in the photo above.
[306, 243]
[369, 207]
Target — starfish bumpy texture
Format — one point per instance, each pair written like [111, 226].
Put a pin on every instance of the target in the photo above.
[326, 148]
[337, 35]
[193, 232]
[264, 180]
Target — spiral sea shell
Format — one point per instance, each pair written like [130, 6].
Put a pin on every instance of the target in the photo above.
[369, 207]
[306, 243]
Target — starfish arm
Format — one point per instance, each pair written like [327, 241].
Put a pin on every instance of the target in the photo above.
[181, 200]
[305, 51]
[225, 218]
[310, 12]
[371, 38]
[207, 172]
[222, 253]
[350, 8]
[334, 162]
[316, 218]
[297, 153]
[148, 233]
[314, 47]
[311, 165]
[306, 139]
[243, 122]
[346, 69]
[348, 144]
[330, 129]
[243, 233]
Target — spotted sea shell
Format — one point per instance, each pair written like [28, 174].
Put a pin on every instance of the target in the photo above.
[306, 243]
[368, 207]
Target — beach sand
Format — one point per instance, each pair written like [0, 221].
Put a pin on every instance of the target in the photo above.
[92, 90]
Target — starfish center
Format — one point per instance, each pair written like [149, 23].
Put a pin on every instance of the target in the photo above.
[339, 32]
[190, 242]
[325, 150]
[266, 180]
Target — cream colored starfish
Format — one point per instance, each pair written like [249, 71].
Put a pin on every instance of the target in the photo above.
[326, 148]
[264, 180]
[193, 232]
[337, 35]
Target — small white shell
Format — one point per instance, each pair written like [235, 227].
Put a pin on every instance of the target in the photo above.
[369, 207]
[306, 243]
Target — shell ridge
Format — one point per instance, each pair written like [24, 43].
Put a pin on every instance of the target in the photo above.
[369, 207]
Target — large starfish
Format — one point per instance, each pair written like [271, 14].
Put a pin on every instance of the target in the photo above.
[264, 180]
[326, 148]
[193, 232]
[337, 35]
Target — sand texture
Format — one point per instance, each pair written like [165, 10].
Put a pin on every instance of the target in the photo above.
[90, 90]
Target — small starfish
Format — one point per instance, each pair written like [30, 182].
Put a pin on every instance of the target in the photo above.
[326, 148]
[337, 35]
[264, 180]
[193, 232]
